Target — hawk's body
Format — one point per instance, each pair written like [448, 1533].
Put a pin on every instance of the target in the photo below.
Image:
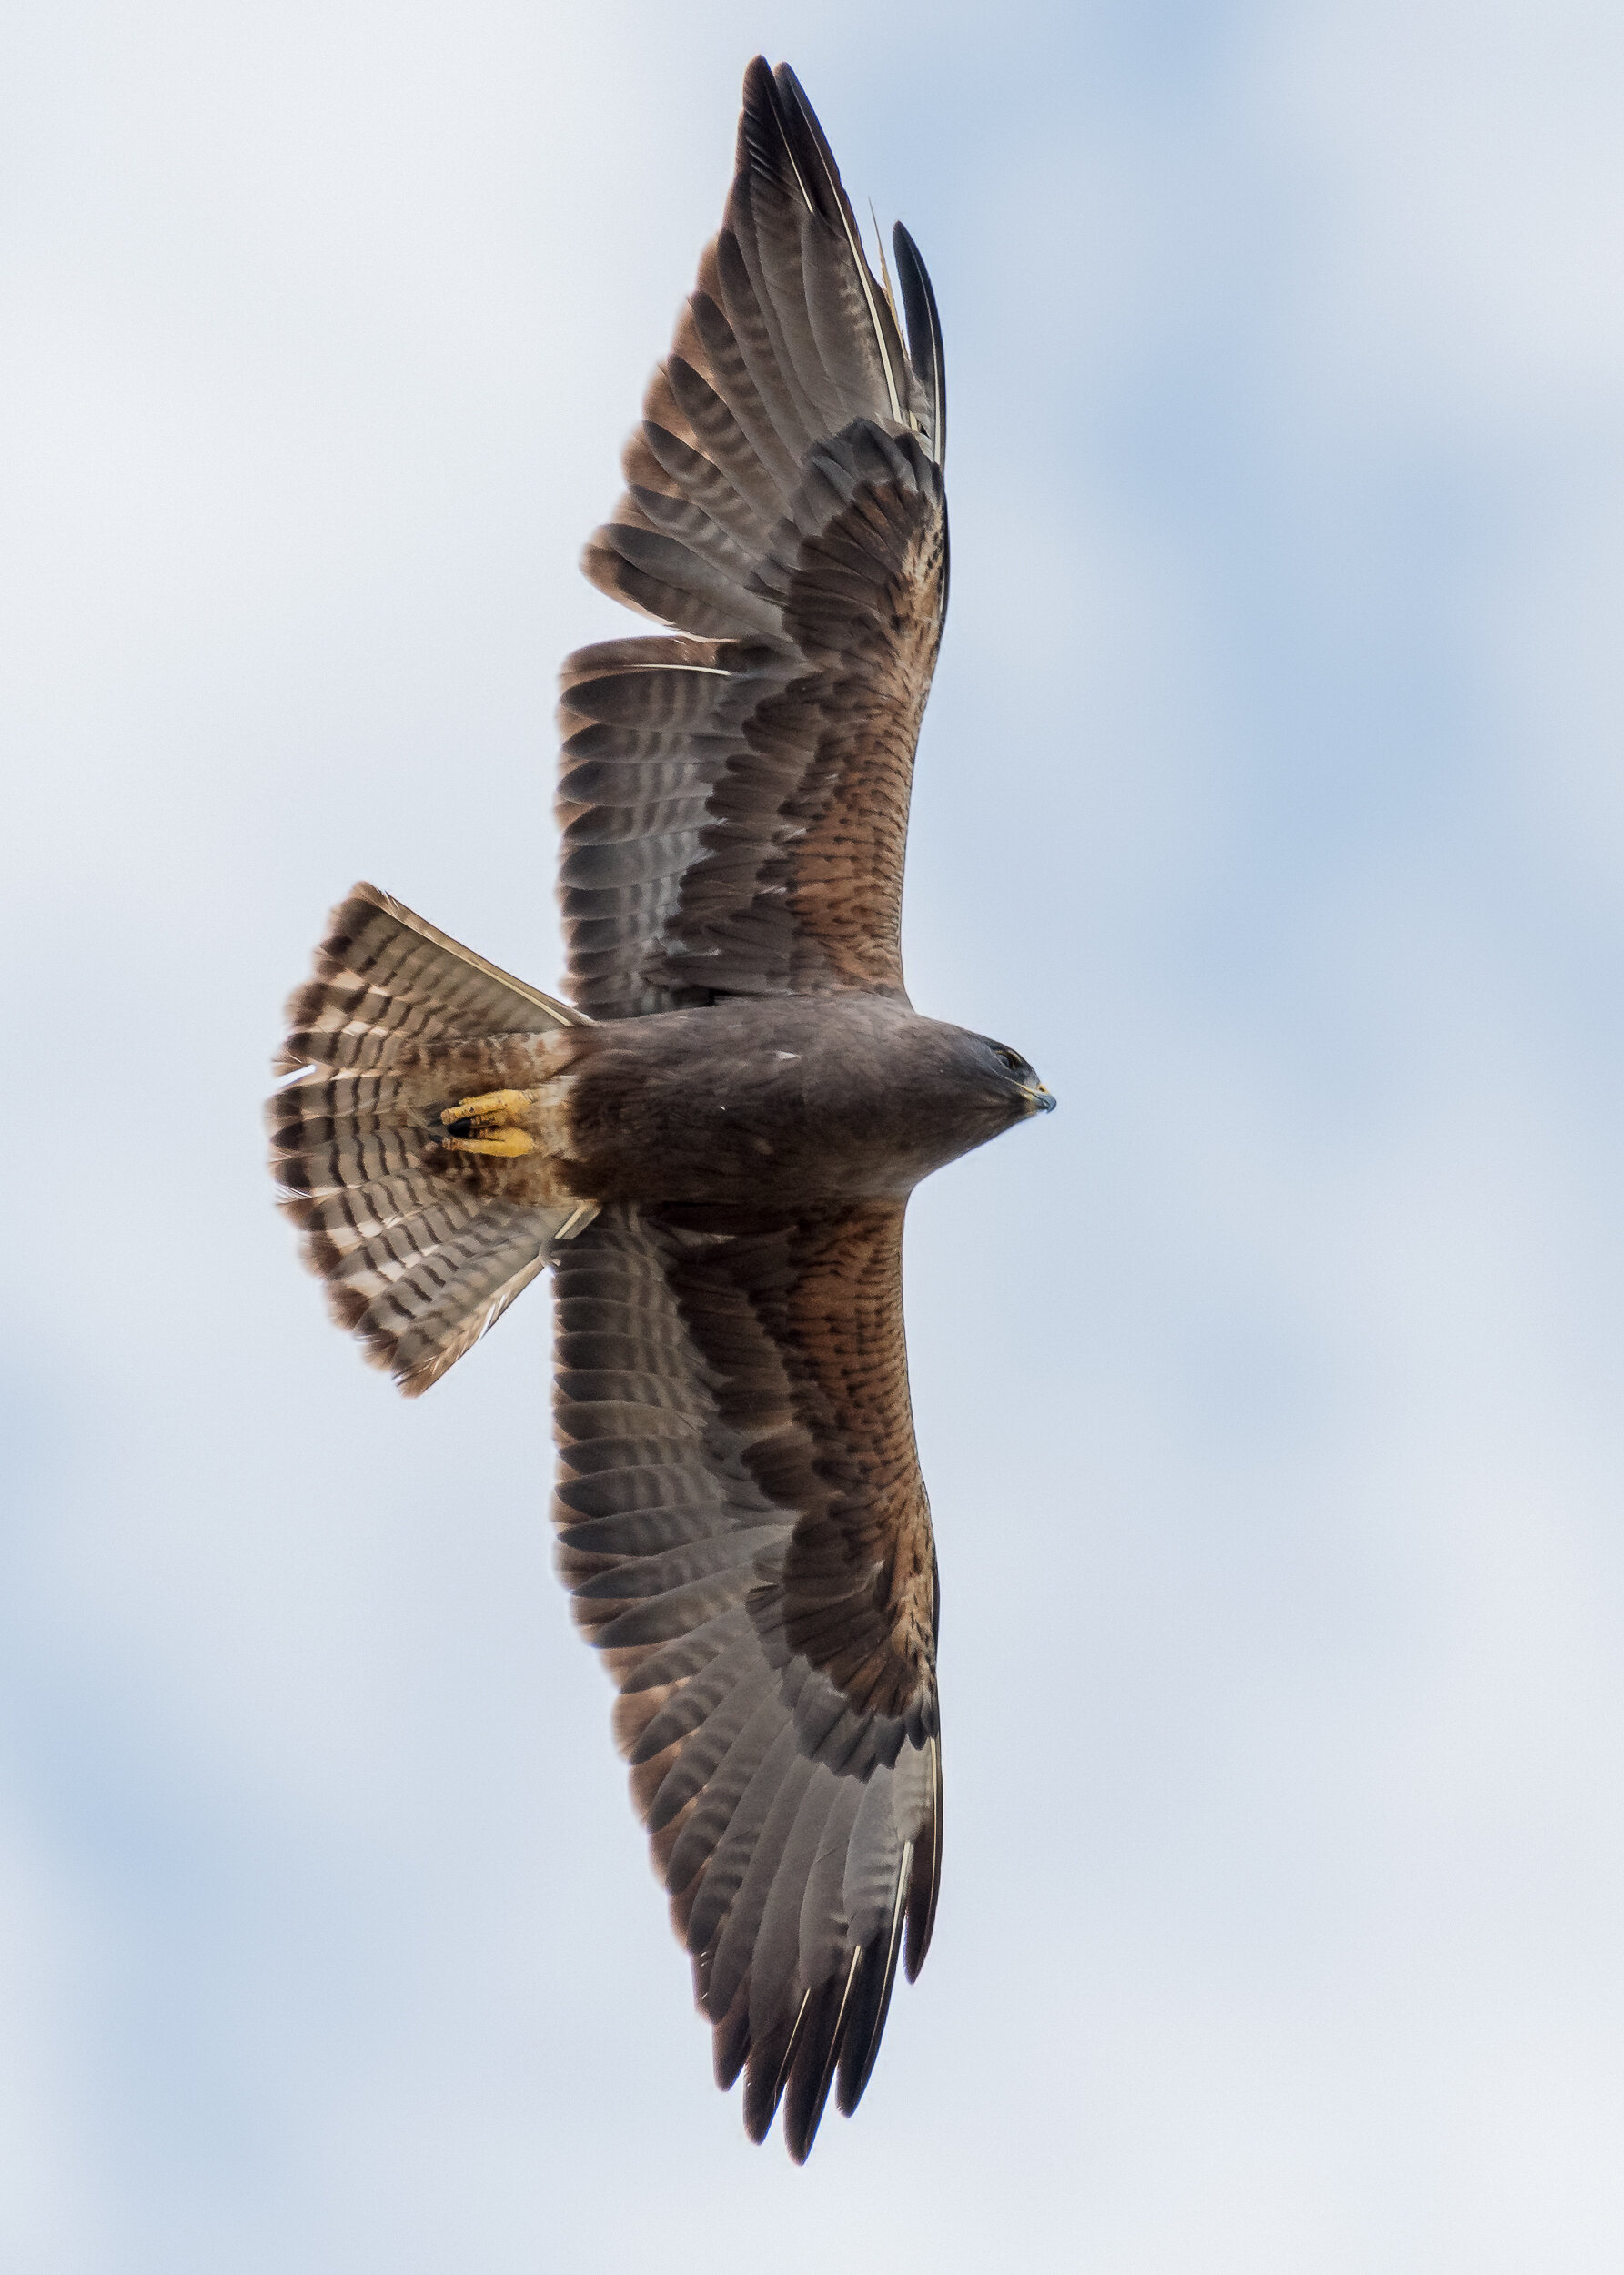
[714, 1145]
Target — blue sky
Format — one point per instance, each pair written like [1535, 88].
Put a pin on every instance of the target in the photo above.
[1270, 800]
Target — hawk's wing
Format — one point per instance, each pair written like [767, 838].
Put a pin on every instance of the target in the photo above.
[743, 1523]
[734, 800]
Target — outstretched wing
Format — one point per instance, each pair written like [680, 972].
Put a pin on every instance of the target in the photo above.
[734, 800]
[743, 1520]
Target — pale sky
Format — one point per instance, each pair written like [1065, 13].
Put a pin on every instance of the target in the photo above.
[1270, 800]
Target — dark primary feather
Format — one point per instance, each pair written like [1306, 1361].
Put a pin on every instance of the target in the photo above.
[813, 160]
[925, 337]
[740, 1516]
[785, 513]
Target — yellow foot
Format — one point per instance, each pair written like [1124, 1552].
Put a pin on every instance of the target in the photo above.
[484, 1125]
[507, 1143]
[490, 1104]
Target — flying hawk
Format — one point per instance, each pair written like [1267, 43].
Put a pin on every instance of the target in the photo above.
[713, 1142]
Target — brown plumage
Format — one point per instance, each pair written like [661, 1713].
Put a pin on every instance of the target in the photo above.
[713, 1145]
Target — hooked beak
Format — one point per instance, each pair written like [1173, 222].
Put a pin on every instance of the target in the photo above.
[1044, 1100]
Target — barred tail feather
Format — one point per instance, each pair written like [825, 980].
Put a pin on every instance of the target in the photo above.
[421, 1246]
[387, 981]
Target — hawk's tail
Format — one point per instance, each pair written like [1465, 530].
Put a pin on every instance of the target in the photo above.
[422, 1234]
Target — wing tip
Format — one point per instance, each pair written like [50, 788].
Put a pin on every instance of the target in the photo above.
[925, 1882]
[925, 351]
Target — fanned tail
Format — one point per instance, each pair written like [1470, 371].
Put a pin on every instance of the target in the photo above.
[422, 1236]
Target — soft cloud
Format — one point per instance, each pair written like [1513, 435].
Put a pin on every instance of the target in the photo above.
[1267, 1394]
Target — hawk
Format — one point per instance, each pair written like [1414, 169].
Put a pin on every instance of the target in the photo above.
[713, 1141]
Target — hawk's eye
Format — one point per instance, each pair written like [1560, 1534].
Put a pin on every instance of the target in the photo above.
[1012, 1059]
